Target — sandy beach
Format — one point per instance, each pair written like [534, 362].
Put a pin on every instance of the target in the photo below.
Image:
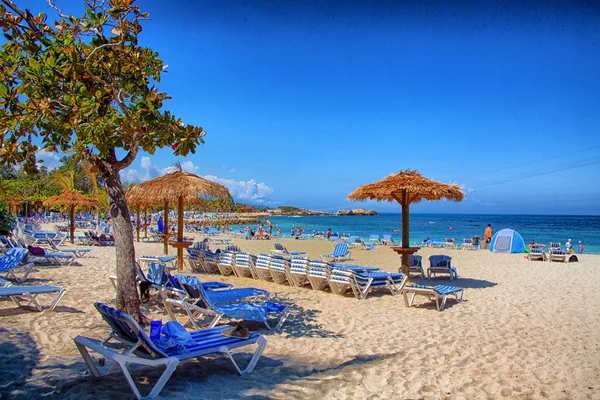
[527, 330]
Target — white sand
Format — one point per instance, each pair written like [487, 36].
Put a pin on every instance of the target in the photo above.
[527, 330]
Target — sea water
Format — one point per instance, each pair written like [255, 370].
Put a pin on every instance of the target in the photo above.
[538, 228]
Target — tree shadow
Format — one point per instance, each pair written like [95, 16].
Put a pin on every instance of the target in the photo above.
[213, 373]
[19, 350]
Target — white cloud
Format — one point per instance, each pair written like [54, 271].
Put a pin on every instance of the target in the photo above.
[232, 170]
[50, 160]
[245, 191]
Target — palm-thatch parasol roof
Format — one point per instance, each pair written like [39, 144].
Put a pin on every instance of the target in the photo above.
[406, 187]
[170, 187]
[71, 198]
[417, 186]
[177, 187]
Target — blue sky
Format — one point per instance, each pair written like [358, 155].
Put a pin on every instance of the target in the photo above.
[305, 101]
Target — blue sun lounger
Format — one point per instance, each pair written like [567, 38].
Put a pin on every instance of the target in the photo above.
[222, 302]
[140, 350]
[18, 294]
[339, 251]
[13, 260]
[437, 293]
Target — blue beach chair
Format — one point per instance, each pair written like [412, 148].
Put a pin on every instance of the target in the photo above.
[339, 251]
[282, 250]
[222, 302]
[29, 293]
[441, 264]
[437, 293]
[140, 350]
[363, 280]
[13, 260]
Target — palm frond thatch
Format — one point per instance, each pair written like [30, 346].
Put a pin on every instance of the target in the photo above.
[70, 198]
[418, 188]
[170, 187]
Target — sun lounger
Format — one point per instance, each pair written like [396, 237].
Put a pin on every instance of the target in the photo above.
[226, 263]
[13, 260]
[536, 253]
[262, 269]
[245, 266]
[40, 256]
[279, 267]
[298, 276]
[387, 240]
[194, 305]
[167, 260]
[79, 253]
[557, 254]
[467, 244]
[437, 293]
[317, 273]
[449, 243]
[362, 282]
[339, 251]
[415, 264]
[282, 250]
[375, 239]
[140, 350]
[19, 294]
[222, 302]
[441, 264]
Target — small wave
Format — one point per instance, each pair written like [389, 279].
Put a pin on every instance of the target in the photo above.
[432, 222]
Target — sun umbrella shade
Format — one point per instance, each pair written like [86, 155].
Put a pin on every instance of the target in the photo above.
[71, 199]
[406, 187]
[416, 185]
[177, 187]
[170, 187]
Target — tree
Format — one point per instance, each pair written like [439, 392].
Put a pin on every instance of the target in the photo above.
[83, 84]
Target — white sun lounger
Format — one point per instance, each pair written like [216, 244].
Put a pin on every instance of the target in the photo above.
[140, 350]
[437, 293]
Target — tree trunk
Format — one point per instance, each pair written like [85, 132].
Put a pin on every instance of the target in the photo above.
[128, 299]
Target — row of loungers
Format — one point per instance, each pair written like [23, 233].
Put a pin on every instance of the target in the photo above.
[319, 274]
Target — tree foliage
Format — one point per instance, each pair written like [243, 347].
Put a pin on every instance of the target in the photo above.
[84, 85]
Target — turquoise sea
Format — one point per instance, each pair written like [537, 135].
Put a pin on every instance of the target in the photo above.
[541, 228]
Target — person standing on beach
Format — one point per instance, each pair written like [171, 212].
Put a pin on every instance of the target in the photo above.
[569, 246]
[580, 248]
[259, 232]
[292, 232]
[487, 236]
[328, 234]
[269, 228]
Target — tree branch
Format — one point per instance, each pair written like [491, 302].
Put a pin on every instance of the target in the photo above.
[128, 159]
[26, 15]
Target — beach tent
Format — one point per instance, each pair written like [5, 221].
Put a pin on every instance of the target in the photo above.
[507, 241]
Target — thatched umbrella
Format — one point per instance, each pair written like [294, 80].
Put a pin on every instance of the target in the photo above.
[72, 200]
[406, 187]
[177, 187]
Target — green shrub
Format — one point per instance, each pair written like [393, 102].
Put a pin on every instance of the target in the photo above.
[7, 221]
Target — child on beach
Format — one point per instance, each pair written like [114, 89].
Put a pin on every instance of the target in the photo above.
[580, 248]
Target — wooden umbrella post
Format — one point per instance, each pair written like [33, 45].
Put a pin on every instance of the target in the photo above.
[138, 223]
[146, 222]
[166, 231]
[72, 223]
[180, 233]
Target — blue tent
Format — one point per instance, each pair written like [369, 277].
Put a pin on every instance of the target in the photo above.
[507, 241]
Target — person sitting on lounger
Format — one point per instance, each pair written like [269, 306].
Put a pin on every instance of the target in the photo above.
[533, 244]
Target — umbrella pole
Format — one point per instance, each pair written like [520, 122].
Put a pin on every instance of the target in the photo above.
[72, 223]
[180, 233]
[166, 231]
[405, 239]
[138, 223]
[146, 222]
